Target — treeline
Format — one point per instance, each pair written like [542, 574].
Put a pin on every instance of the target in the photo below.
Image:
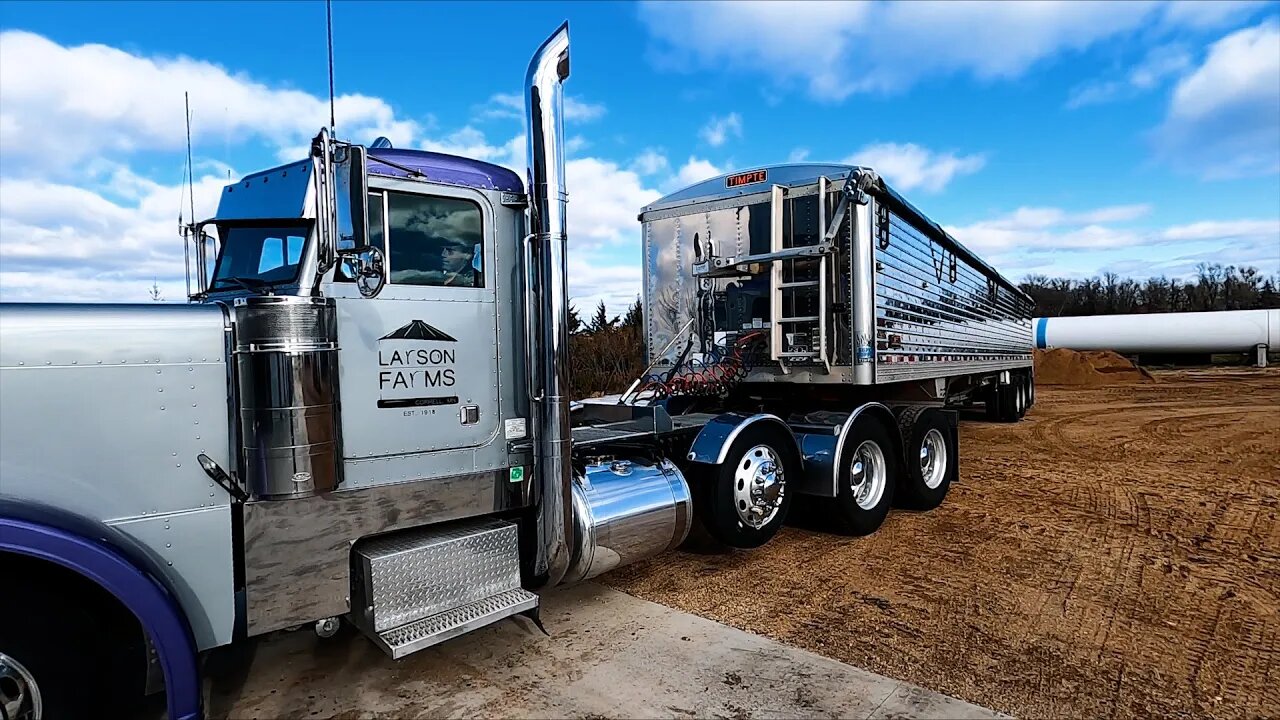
[605, 354]
[1215, 287]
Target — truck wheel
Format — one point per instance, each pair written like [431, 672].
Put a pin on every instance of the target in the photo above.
[747, 499]
[868, 474]
[51, 665]
[930, 458]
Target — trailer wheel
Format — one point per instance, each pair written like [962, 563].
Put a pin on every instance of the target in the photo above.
[868, 473]
[747, 497]
[930, 458]
[1003, 402]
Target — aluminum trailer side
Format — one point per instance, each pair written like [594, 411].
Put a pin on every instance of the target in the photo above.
[854, 285]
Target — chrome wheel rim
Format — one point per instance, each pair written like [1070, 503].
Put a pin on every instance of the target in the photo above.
[759, 486]
[933, 459]
[19, 693]
[867, 475]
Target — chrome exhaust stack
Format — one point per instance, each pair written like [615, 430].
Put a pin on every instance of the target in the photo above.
[549, 321]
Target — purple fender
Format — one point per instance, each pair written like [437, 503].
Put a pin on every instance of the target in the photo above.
[154, 606]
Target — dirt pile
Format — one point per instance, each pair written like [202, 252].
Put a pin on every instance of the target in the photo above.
[1061, 366]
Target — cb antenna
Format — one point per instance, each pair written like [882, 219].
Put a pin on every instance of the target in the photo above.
[328, 16]
[187, 230]
[191, 170]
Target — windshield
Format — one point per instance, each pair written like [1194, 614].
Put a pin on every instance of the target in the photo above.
[258, 255]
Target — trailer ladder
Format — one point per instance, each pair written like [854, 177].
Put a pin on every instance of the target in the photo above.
[791, 288]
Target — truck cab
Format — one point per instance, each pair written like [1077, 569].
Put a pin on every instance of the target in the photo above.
[416, 362]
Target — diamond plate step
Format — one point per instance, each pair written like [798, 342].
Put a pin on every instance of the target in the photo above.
[435, 629]
[413, 589]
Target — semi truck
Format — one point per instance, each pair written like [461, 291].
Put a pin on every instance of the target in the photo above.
[363, 414]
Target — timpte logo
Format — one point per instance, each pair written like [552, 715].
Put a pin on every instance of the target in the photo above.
[747, 178]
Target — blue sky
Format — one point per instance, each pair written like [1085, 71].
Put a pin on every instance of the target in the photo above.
[1057, 138]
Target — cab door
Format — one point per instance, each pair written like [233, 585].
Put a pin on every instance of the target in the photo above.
[418, 363]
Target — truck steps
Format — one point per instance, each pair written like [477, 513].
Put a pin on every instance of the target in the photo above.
[415, 589]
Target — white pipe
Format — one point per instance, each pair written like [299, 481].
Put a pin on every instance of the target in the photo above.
[1193, 332]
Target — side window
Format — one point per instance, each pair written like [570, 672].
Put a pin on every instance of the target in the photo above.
[436, 241]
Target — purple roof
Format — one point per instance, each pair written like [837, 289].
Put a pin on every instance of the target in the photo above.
[450, 169]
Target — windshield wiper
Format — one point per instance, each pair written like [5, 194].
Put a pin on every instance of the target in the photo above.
[253, 285]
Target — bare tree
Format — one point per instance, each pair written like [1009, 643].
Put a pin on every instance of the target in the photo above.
[1215, 287]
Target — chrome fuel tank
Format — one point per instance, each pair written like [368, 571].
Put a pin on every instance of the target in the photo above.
[625, 511]
[287, 377]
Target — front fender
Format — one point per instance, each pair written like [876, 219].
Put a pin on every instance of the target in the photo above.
[92, 556]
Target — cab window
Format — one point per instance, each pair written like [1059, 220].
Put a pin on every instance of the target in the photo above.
[436, 241]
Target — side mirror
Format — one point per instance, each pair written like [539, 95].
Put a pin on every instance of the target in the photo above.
[371, 272]
[351, 198]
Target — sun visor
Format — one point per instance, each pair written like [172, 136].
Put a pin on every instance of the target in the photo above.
[272, 194]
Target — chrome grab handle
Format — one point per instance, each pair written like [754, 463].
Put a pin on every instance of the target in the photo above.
[532, 373]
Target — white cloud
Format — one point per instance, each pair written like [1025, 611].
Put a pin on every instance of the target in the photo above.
[1080, 244]
[720, 129]
[1047, 229]
[61, 104]
[511, 106]
[603, 202]
[695, 170]
[1210, 14]
[472, 143]
[1230, 229]
[1223, 119]
[909, 166]
[798, 155]
[593, 279]
[1160, 64]
[61, 242]
[650, 162]
[836, 49]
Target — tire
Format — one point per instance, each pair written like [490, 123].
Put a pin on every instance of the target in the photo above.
[1025, 386]
[992, 402]
[869, 472]
[57, 647]
[929, 461]
[1000, 404]
[734, 509]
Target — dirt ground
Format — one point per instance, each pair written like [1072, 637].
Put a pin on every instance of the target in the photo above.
[1115, 554]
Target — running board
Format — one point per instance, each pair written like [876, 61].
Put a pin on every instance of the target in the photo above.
[436, 629]
[417, 588]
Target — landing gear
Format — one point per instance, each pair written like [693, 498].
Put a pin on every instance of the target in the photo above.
[747, 497]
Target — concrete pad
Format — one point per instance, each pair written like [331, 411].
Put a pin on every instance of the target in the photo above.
[609, 655]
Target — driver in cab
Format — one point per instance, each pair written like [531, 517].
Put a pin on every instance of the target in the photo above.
[456, 265]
